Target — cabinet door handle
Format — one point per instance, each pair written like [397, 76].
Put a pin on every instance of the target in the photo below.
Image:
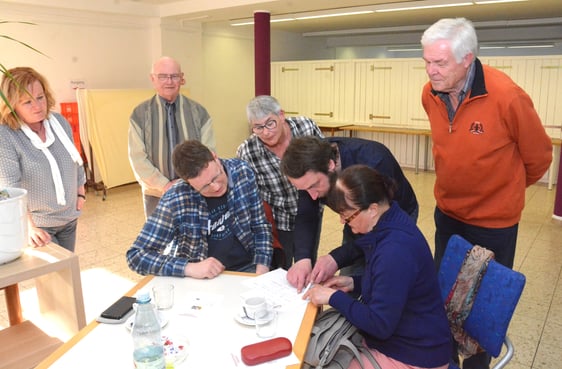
[380, 68]
[292, 112]
[330, 68]
[284, 69]
[371, 116]
[330, 114]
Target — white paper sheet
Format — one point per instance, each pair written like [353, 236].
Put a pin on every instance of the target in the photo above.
[276, 289]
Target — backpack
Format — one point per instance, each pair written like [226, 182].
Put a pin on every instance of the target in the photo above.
[334, 342]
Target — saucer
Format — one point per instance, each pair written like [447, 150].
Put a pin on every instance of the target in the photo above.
[241, 318]
[161, 318]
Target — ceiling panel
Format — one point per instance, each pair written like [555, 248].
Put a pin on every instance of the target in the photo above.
[502, 15]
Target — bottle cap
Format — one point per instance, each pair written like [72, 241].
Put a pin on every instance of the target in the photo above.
[143, 296]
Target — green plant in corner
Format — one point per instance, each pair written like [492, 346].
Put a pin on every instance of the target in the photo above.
[3, 69]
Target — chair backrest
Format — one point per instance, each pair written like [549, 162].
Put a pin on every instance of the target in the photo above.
[495, 302]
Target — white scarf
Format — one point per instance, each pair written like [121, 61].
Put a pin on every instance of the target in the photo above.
[51, 125]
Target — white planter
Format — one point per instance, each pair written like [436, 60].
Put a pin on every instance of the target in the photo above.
[13, 225]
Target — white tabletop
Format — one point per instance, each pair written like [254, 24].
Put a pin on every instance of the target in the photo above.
[204, 314]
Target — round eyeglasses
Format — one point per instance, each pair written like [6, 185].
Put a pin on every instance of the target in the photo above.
[352, 216]
[270, 124]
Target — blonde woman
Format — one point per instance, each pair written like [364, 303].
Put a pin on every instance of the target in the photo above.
[37, 153]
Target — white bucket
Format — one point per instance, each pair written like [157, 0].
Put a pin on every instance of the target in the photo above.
[13, 224]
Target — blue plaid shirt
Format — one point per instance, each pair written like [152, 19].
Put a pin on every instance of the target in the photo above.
[176, 233]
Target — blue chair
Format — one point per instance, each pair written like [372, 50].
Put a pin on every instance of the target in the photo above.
[493, 307]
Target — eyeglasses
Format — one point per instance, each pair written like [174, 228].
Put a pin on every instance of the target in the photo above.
[270, 124]
[165, 77]
[352, 216]
[213, 181]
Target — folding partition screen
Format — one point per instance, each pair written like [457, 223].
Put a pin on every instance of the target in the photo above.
[104, 124]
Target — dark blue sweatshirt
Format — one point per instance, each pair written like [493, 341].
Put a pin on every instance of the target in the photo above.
[402, 314]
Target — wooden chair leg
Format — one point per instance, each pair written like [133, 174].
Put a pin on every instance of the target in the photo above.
[13, 304]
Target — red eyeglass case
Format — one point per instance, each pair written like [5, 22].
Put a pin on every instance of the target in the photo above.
[261, 352]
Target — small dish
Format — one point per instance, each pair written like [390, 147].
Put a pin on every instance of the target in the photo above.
[161, 318]
[175, 349]
[241, 318]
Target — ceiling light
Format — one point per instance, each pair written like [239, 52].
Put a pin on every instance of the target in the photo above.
[282, 20]
[416, 5]
[405, 49]
[315, 16]
[242, 23]
[530, 46]
[485, 2]
[491, 47]
[407, 5]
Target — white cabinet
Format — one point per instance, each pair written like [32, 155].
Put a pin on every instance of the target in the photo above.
[374, 91]
[321, 90]
[287, 86]
[415, 115]
[547, 95]
[541, 78]
[388, 91]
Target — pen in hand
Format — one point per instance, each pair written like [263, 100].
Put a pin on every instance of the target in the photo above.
[307, 288]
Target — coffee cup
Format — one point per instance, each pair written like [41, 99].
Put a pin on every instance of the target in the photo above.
[253, 304]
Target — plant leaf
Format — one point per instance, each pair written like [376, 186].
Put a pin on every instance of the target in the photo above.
[4, 70]
[23, 43]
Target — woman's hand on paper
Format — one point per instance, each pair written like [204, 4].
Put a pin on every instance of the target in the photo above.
[319, 294]
[342, 283]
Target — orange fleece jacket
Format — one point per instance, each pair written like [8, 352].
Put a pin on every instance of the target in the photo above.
[498, 147]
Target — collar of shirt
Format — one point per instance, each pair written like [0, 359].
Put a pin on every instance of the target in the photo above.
[462, 94]
[467, 83]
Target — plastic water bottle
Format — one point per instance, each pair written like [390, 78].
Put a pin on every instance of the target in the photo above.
[147, 339]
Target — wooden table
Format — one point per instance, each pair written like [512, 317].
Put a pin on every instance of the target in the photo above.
[56, 272]
[331, 127]
[417, 132]
[106, 345]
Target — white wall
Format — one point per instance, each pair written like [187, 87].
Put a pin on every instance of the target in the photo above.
[108, 52]
[184, 43]
[228, 72]
[290, 46]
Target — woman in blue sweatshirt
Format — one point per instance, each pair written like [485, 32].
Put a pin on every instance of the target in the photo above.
[401, 313]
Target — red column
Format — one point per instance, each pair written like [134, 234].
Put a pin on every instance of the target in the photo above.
[558, 199]
[262, 53]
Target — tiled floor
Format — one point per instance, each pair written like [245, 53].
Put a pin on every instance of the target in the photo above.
[107, 228]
